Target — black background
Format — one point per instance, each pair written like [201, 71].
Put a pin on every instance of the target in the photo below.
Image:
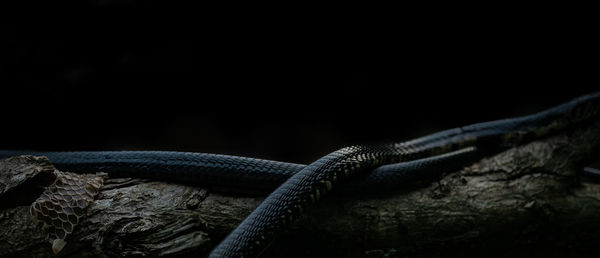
[285, 89]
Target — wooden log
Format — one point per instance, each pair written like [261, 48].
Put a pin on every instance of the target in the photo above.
[528, 201]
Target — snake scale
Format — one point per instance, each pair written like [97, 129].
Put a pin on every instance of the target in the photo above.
[297, 186]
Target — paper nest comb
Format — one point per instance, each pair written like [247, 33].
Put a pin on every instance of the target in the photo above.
[62, 205]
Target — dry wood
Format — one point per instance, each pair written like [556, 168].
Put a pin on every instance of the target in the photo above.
[528, 201]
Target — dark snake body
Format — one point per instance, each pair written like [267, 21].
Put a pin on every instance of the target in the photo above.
[234, 174]
[288, 201]
[300, 185]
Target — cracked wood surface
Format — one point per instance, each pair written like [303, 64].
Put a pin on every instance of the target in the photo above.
[528, 201]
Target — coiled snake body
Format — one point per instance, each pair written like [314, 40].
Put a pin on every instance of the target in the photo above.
[301, 185]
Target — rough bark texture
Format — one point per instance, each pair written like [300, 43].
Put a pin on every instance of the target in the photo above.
[528, 201]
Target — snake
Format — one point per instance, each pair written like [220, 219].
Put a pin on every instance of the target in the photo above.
[297, 186]
[232, 174]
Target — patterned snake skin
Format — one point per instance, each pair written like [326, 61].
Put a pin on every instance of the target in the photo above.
[299, 185]
[63, 203]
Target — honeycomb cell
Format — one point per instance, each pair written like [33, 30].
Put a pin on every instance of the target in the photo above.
[52, 214]
[63, 217]
[78, 211]
[73, 219]
[59, 196]
[67, 198]
[68, 227]
[67, 210]
[55, 204]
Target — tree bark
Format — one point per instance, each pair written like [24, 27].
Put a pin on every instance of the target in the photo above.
[528, 201]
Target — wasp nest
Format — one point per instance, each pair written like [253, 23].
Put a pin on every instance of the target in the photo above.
[62, 205]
